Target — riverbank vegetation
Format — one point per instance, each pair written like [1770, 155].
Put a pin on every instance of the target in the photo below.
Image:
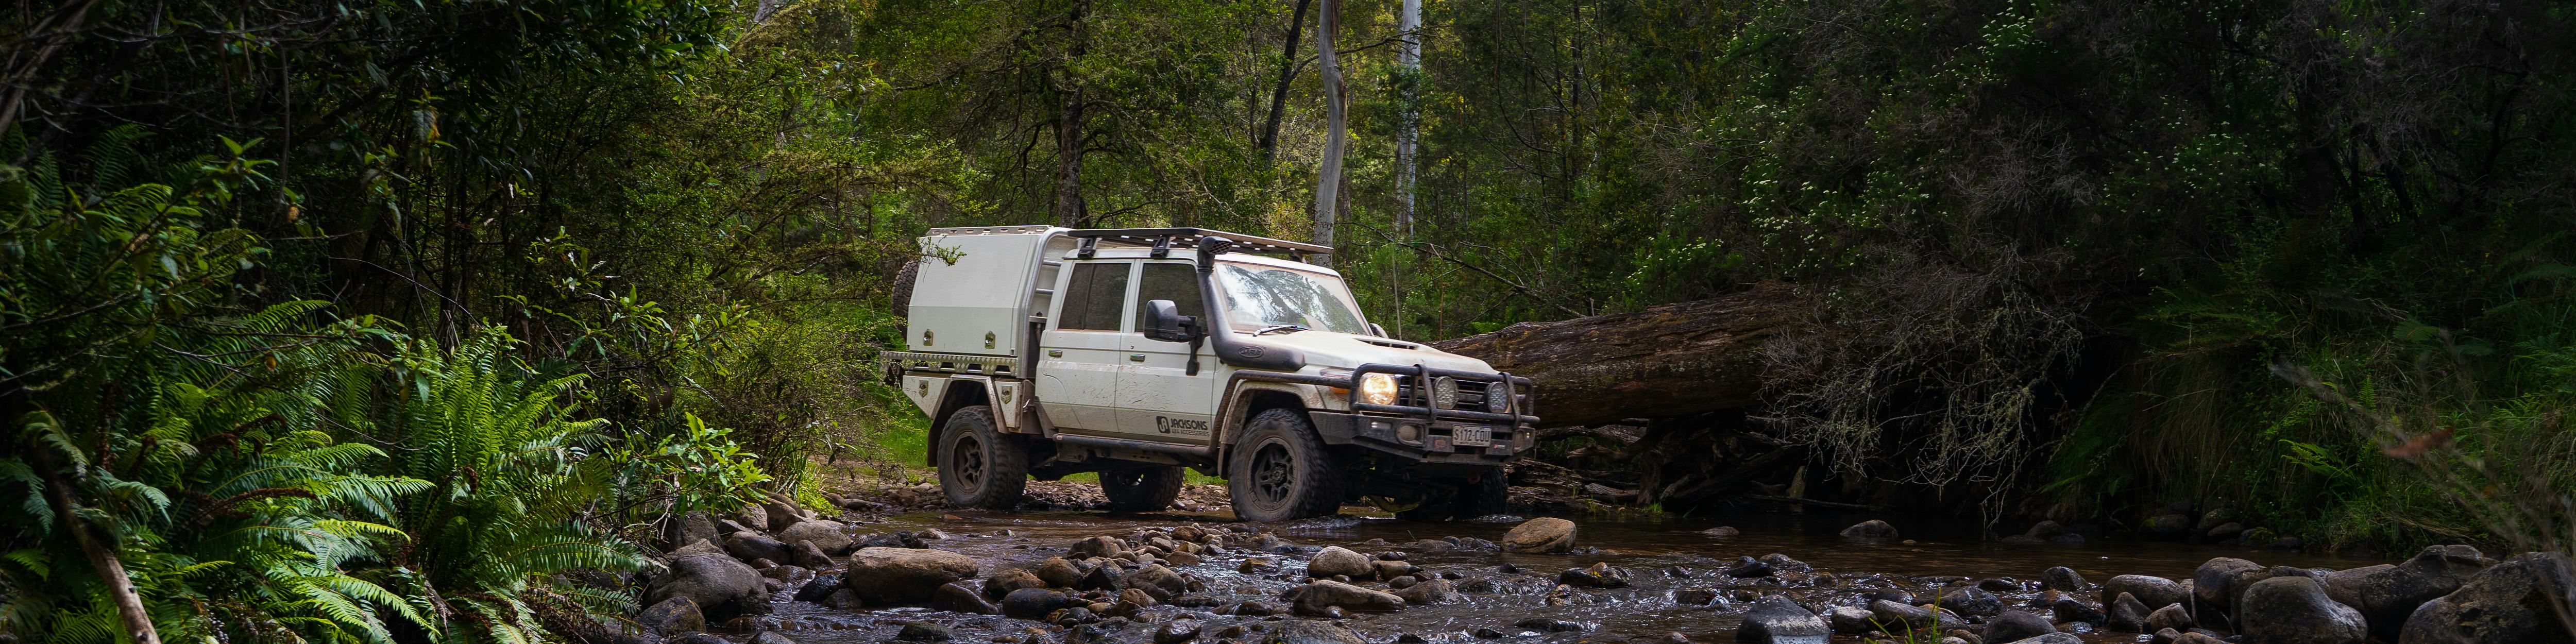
[304, 300]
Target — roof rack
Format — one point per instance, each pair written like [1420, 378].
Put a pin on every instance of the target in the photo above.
[1164, 238]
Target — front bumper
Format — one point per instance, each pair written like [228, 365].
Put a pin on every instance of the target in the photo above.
[1433, 424]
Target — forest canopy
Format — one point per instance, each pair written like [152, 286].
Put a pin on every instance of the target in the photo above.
[2073, 259]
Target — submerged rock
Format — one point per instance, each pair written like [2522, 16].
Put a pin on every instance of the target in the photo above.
[1871, 529]
[904, 575]
[1313, 598]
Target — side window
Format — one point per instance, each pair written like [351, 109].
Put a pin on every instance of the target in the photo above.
[1093, 297]
[1176, 282]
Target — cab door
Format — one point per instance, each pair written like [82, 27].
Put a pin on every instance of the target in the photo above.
[1159, 398]
[1084, 347]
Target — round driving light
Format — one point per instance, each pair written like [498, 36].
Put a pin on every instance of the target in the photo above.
[1409, 432]
[1495, 399]
[1444, 393]
[1377, 389]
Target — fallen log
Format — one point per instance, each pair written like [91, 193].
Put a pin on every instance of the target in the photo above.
[1661, 362]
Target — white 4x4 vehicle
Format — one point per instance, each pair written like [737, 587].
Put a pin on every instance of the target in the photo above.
[1048, 351]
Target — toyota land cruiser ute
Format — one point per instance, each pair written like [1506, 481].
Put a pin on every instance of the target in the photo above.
[1045, 351]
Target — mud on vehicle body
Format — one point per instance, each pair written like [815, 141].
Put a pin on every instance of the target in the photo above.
[1043, 351]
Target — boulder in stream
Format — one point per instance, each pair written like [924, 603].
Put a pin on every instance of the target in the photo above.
[720, 585]
[1313, 598]
[2151, 591]
[1428, 592]
[2014, 626]
[1776, 620]
[1337, 560]
[2061, 578]
[749, 546]
[2508, 602]
[1541, 535]
[673, 616]
[1871, 529]
[2385, 595]
[826, 535]
[2295, 610]
[904, 575]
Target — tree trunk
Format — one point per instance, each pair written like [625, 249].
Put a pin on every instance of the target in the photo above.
[1666, 361]
[1068, 131]
[101, 553]
[1328, 183]
[1269, 142]
[1408, 58]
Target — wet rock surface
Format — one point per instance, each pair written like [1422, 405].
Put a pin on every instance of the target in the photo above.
[1173, 577]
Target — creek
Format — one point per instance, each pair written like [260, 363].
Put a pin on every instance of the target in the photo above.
[1663, 556]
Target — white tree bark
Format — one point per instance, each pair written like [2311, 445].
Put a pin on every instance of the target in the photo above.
[1328, 24]
[1408, 56]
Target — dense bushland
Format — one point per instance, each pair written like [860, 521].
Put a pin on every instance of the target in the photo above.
[2292, 260]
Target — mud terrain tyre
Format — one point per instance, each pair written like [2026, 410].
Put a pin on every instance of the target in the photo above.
[979, 467]
[1281, 471]
[901, 299]
[1142, 489]
[1483, 496]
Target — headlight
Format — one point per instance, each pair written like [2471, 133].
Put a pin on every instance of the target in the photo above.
[1495, 399]
[1377, 389]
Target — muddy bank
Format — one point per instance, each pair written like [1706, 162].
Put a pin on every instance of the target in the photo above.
[1194, 576]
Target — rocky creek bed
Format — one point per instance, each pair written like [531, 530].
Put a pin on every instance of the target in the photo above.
[1170, 577]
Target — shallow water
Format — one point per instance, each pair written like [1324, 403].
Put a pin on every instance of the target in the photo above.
[1654, 551]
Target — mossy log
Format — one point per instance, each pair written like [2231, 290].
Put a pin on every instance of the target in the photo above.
[1661, 362]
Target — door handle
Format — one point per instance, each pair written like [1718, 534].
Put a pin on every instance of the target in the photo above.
[1135, 357]
[1055, 353]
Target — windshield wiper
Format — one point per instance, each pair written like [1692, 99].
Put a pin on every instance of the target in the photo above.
[1267, 330]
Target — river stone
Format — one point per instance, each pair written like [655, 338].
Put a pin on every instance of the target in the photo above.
[2508, 602]
[1032, 603]
[1001, 583]
[2171, 526]
[2385, 595]
[2151, 591]
[718, 583]
[1157, 581]
[1097, 547]
[2295, 610]
[1310, 632]
[827, 535]
[2127, 614]
[1871, 529]
[1541, 535]
[673, 616]
[1776, 620]
[2210, 583]
[1103, 577]
[690, 528]
[1177, 631]
[2171, 616]
[904, 575]
[1057, 572]
[2198, 637]
[1313, 598]
[2061, 578]
[1598, 575]
[2013, 626]
[1722, 532]
[1387, 569]
[1337, 560]
[1428, 592]
[956, 597]
[754, 519]
[2051, 638]
[1970, 601]
[1891, 614]
[1851, 620]
[923, 632]
[750, 546]
[2069, 609]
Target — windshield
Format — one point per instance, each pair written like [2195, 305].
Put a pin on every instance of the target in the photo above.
[1260, 296]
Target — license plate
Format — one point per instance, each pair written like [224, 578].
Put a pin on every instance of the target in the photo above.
[1471, 436]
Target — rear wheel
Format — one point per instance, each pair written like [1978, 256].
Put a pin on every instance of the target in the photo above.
[978, 466]
[1281, 471]
[1478, 495]
[1143, 489]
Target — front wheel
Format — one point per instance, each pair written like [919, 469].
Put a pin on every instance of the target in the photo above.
[1143, 489]
[978, 466]
[1281, 471]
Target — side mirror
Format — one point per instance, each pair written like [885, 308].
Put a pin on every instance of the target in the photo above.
[1163, 321]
